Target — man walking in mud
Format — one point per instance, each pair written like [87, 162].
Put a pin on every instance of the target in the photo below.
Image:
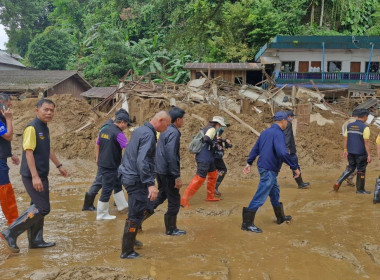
[111, 142]
[137, 175]
[121, 203]
[272, 152]
[291, 145]
[7, 196]
[357, 151]
[34, 172]
[168, 172]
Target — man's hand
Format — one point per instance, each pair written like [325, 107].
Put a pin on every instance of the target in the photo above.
[178, 183]
[345, 154]
[15, 160]
[7, 113]
[298, 173]
[37, 183]
[63, 171]
[247, 169]
[228, 141]
[369, 159]
[153, 192]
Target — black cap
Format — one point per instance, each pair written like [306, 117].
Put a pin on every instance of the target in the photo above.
[290, 113]
[121, 111]
[123, 117]
[362, 112]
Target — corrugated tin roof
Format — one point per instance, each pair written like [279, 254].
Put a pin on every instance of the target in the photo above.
[223, 66]
[33, 79]
[99, 92]
[6, 58]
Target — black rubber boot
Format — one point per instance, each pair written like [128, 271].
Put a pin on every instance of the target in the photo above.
[342, 177]
[26, 220]
[35, 236]
[88, 204]
[219, 180]
[301, 184]
[280, 215]
[360, 183]
[171, 226]
[376, 196]
[128, 243]
[248, 219]
[147, 214]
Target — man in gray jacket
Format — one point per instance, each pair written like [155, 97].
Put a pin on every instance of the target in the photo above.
[137, 175]
[168, 172]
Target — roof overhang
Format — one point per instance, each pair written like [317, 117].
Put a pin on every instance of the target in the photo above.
[270, 60]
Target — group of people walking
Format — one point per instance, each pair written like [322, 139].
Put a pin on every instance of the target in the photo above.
[152, 155]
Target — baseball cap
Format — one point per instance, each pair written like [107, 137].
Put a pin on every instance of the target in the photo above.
[290, 113]
[121, 111]
[123, 117]
[279, 116]
[219, 120]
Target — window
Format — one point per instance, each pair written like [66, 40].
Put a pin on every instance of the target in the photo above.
[287, 66]
[373, 68]
[334, 66]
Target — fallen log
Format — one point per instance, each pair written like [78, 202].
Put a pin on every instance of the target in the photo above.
[241, 121]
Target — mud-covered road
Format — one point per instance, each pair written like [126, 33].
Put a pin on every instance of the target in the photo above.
[332, 235]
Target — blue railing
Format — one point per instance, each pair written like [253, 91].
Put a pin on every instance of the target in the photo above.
[328, 77]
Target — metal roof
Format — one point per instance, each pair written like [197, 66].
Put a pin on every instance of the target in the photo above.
[99, 92]
[6, 58]
[223, 66]
[316, 42]
[21, 80]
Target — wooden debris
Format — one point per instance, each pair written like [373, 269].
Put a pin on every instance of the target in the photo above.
[241, 121]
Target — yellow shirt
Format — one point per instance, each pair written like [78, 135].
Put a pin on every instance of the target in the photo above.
[29, 139]
[378, 139]
[211, 133]
[366, 133]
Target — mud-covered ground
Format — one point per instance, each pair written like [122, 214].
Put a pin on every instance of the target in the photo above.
[332, 235]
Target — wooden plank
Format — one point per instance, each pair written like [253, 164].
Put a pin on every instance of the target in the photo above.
[241, 121]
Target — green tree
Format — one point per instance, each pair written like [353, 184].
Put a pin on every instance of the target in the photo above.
[51, 50]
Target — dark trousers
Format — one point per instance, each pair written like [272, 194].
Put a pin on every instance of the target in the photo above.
[137, 201]
[220, 165]
[295, 160]
[205, 167]
[358, 162]
[4, 172]
[40, 199]
[167, 190]
[98, 182]
[110, 181]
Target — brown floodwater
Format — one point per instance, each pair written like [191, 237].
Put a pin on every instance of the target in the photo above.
[332, 236]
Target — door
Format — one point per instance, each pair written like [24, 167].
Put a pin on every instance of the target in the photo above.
[316, 64]
[355, 67]
[303, 66]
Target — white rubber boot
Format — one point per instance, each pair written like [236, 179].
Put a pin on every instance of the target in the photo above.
[102, 211]
[120, 201]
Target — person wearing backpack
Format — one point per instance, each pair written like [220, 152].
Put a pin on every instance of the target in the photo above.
[205, 164]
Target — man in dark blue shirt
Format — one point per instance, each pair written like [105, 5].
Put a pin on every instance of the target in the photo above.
[272, 152]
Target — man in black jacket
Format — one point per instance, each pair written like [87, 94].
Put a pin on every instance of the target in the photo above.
[34, 173]
[137, 175]
[168, 172]
[291, 145]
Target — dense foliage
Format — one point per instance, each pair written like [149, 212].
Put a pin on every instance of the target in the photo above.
[106, 38]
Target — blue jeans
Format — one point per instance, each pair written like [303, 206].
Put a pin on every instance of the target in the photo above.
[267, 186]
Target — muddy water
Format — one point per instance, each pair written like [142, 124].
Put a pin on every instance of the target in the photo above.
[332, 236]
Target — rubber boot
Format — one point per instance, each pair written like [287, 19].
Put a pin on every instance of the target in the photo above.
[128, 243]
[171, 226]
[360, 183]
[102, 211]
[8, 203]
[300, 183]
[342, 177]
[376, 196]
[147, 214]
[211, 183]
[88, 204]
[248, 219]
[280, 215]
[350, 179]
[27, 219]
[219, 180]
[35, 236]
[120, 201]
[191, 189]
